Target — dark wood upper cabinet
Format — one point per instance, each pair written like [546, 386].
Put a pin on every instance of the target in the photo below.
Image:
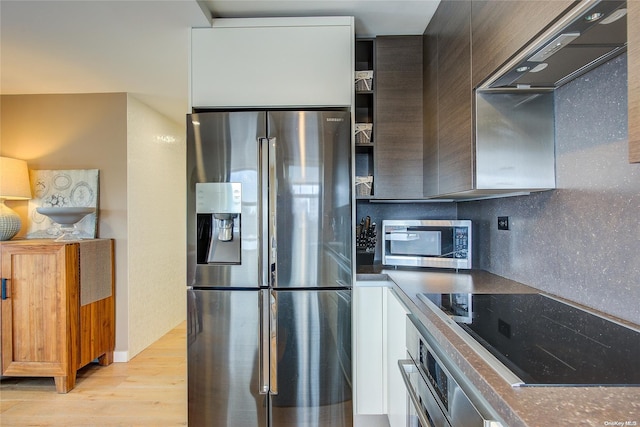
[633, 67]
[501, 28]
[455, 133]
[398, 117]
[465, 42]
[448, 133]
[430, 109]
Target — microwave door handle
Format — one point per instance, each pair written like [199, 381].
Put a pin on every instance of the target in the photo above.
[403, 236]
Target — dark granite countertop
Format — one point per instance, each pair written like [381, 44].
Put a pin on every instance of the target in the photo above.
[517, 406]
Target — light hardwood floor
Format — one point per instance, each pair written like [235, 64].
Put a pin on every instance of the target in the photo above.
[150, 390]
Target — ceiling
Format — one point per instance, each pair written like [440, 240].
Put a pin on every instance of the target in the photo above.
[141, 47]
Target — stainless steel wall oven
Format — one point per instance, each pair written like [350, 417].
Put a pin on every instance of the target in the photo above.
[439, 395]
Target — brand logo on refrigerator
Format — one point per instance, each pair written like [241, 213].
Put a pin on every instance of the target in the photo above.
[335, 119]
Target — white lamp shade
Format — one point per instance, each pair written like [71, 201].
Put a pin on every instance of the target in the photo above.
[14, 179]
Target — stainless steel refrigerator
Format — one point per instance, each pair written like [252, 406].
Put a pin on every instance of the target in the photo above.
[269, 268]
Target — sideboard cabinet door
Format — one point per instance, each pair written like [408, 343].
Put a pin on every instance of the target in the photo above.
[41, 298]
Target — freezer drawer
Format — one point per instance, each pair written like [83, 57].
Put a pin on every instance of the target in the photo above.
[223, 359]
[313, 359]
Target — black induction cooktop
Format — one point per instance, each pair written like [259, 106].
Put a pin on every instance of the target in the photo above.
[545, 341]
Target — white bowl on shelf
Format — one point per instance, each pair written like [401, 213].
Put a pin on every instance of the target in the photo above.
[67, 217]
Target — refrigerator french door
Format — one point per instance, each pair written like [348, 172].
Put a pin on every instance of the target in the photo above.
[269, 268]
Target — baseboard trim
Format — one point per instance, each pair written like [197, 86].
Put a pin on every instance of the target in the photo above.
[120, 356]
[370, 421]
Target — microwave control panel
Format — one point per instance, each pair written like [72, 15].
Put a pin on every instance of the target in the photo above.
[460, 242]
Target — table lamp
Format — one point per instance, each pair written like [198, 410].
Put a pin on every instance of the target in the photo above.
[14, 185]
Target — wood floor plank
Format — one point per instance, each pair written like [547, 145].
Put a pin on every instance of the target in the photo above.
[149, 390]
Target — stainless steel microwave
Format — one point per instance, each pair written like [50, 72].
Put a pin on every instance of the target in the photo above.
[427, 243]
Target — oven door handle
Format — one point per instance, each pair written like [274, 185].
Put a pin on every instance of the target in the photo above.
[407, 367]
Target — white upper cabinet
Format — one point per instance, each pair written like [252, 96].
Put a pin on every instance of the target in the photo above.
[273, 62]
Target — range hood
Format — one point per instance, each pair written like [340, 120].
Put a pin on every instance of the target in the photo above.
[588, 35]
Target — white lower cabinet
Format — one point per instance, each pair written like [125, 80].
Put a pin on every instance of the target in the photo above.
[380, 329]
[396, 349]
[370, 380]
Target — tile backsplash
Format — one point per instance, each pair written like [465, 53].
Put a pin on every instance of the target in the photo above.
[582, 240]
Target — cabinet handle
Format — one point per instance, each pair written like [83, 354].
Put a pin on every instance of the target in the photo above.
[4, 289]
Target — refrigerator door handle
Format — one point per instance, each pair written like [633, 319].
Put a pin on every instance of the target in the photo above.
[263, 350]
[273, 194]
[264, 215]
[273, 338]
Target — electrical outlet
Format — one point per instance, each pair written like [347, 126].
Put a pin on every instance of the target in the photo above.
[503, 223]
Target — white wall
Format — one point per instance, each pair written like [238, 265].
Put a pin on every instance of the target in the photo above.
[78, 131]
[156, 219]
[140, 155]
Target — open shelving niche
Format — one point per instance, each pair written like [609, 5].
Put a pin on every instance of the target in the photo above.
[364, 112]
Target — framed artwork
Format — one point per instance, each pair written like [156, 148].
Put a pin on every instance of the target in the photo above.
[62, 188]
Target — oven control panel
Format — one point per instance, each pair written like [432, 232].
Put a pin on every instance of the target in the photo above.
[459, 405]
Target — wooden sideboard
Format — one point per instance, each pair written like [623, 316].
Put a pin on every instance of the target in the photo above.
[57, 307]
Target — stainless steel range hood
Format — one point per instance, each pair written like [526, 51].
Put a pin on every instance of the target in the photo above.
[590, 34]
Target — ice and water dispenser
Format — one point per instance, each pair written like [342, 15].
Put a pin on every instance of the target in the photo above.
[218, 208]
